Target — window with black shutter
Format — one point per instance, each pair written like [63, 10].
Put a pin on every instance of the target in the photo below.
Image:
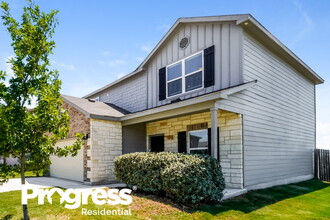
[191, 73]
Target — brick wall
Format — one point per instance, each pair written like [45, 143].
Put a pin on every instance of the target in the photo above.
[78, 122]
[230, 124]
[104, 144]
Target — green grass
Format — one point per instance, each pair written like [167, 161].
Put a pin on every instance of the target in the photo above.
[27, 174]
[305, 200]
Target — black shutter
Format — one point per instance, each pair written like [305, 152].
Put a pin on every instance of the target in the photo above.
[209, 133]
[182, 142]
[218, 143]
[162, 83]
[209, 140]
[209, 66]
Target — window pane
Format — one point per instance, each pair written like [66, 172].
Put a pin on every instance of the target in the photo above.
[193, 64]
[199, 151]
[174, 71]
[194, 81]
[198, 139]
[174, 87]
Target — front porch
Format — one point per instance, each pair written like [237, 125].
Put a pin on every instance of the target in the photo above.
[228, 142]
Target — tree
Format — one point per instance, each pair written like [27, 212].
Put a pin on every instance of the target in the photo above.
[32, 131]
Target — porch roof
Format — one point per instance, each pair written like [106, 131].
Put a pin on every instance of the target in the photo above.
[190, 105]
[94, 109]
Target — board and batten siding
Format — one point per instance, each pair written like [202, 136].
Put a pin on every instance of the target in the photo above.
[129, 94]
[278, 118]
[225, 36]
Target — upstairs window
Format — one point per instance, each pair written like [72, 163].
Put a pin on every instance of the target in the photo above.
[185, 75]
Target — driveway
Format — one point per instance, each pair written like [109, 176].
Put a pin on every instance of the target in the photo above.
[47, 182]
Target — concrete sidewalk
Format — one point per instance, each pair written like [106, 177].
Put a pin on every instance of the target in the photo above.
[47, 182]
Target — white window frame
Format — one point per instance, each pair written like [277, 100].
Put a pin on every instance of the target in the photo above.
[183, 75]
[188, 141]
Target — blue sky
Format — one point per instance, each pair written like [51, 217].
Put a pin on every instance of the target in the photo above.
[100, 41]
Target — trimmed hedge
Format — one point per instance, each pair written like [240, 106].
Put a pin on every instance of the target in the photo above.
[184, 178]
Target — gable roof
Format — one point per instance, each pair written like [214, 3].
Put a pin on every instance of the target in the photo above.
[93, 109]
[251, 26]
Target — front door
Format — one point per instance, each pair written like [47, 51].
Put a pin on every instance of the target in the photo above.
[157, 143]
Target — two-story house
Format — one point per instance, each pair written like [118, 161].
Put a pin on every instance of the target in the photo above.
[218, 85]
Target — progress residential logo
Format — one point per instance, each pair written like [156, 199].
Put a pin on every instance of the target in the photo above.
[74, 198]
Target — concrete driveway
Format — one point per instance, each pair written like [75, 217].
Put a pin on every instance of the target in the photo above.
[47, 182]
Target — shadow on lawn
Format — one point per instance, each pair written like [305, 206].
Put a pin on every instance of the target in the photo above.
[7, 217]
[249, 202]
[257, 199]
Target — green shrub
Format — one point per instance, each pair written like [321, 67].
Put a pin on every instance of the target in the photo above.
[38, 164]
[185, 178]
[7, 171]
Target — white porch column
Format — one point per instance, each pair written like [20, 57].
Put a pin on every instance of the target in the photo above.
[214, 132]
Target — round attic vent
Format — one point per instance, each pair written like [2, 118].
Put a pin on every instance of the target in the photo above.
[184, 42]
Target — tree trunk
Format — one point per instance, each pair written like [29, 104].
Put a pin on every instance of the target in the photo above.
[25, 208]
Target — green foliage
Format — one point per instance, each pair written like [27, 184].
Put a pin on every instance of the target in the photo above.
[32, 131]
[7, 171]
[38, 164]
[185, 178]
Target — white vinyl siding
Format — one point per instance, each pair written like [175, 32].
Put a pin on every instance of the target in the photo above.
[278, 118]
[130, 94]
[226, 38]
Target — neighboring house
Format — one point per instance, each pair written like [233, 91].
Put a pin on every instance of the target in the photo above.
[219, 85]
[9, 160]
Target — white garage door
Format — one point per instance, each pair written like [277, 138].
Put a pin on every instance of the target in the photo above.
[68, 167]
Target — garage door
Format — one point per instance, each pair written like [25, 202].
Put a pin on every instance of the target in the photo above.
[68, 167]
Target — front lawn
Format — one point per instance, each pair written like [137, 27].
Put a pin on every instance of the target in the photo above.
[305, 200]
[27, 174]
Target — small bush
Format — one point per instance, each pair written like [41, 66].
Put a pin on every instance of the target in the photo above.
[7, 171]
[185, 178]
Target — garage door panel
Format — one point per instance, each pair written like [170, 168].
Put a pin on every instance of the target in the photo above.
[68, 167]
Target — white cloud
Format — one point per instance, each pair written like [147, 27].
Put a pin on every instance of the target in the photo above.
[140, 59]
[80, 88]
[68, 67]
[120, 75]
[145, 47]
[307, 21]
[163, 27]
[33, 103]
[112, 63]
[8, 69]
[106, 53]
[323, 135]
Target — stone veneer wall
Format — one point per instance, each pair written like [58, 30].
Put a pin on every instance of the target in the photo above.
[231, 156]
[105, 144]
